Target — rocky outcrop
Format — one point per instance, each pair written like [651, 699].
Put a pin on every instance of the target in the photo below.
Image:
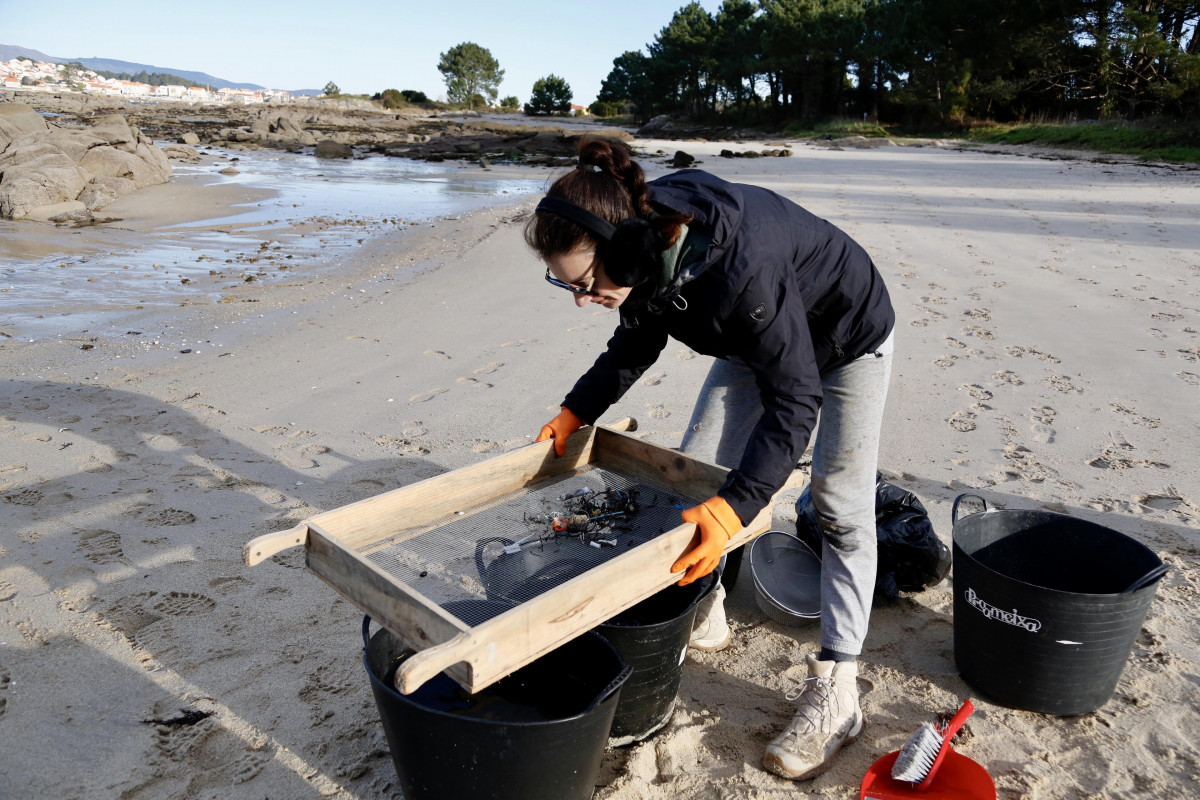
[278, 131]
[328, 148]
[45, 165]
[527, 144]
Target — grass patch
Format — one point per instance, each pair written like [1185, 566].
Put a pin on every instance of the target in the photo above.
[836, 129]
[1149, 141]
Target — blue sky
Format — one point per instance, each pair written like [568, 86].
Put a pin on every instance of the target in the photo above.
[363, 47]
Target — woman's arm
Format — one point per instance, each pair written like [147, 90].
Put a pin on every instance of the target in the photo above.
[770, 324]
[630, 352]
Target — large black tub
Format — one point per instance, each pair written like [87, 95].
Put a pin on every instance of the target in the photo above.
[1046, 606]
[652, 638]
[538, 734]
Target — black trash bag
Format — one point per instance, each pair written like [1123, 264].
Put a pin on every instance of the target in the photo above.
[911, 557]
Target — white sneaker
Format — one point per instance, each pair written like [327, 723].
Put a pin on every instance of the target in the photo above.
[828, 718]
[710, 631]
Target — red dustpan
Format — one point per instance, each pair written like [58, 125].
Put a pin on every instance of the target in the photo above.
[959, 778]
[933, 768]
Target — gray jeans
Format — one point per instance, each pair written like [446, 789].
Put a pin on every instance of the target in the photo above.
[845, 459]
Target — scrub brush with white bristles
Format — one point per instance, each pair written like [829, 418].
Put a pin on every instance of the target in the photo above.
[922, 754]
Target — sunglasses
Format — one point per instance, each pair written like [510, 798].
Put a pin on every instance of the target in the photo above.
[571, 287]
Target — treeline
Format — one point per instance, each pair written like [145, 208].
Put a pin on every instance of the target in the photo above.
[916, 62]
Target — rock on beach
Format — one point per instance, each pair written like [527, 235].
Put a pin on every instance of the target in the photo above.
[42, 164]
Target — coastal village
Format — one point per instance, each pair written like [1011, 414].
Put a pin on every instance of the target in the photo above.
[29, 75]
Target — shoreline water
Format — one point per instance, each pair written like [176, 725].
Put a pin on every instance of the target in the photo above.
[196, 238]
[1046, 357]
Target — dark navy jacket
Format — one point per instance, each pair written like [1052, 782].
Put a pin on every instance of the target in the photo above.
[783, 290]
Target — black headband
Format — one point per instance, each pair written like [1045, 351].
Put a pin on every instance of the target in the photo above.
[601, 228]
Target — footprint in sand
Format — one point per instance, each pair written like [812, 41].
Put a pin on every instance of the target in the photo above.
[1019, 352]
[583, 327]
[978, 332]
[685, 355]
[281, 430]
[1043, 418]
[438, 353]
[485, 446]
[978, 313]
[229, 583]
[919, 323]
[955, 343]
[933, 314]
[129, 614]
[1169, 500]
[248, 766]
[101, 547]
[25, 497]
[657, 411]
[1063, 384]
[403, 446]
[184, 604]
[424, 396]
[518, 342]
[162, 517]
[293, 462]
[1191, 354]
[653, 379]
[475, 383]
[963, 421]
[1116, 455]
[977, 391]
[489, 368]
[1189, 378]
[945, 361]
[1135, 417]
[327, 680]
[1007, 376]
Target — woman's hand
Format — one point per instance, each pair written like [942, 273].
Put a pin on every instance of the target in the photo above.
[718, 523]
[559, 429]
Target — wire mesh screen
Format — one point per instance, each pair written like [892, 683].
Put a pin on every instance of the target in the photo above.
[483, 563]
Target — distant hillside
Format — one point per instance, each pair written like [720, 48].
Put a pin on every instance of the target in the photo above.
[9, 52]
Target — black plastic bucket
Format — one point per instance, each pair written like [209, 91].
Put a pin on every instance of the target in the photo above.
[1046, 606]
[538, 734]
[652, 638]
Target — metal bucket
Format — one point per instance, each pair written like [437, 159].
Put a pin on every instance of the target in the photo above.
[1046, 606]
[787, 578]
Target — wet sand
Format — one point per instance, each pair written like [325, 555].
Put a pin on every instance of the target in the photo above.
[1047, 356]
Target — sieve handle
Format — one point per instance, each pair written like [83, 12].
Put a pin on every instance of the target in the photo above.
[1147, 579]
[628, 424]
[424, 664]
[263, 547]
[959, 499]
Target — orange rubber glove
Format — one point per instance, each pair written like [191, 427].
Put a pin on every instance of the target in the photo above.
[560, 428]
[718, 523]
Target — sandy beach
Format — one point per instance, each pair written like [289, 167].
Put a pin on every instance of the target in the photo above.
[1047, 357]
